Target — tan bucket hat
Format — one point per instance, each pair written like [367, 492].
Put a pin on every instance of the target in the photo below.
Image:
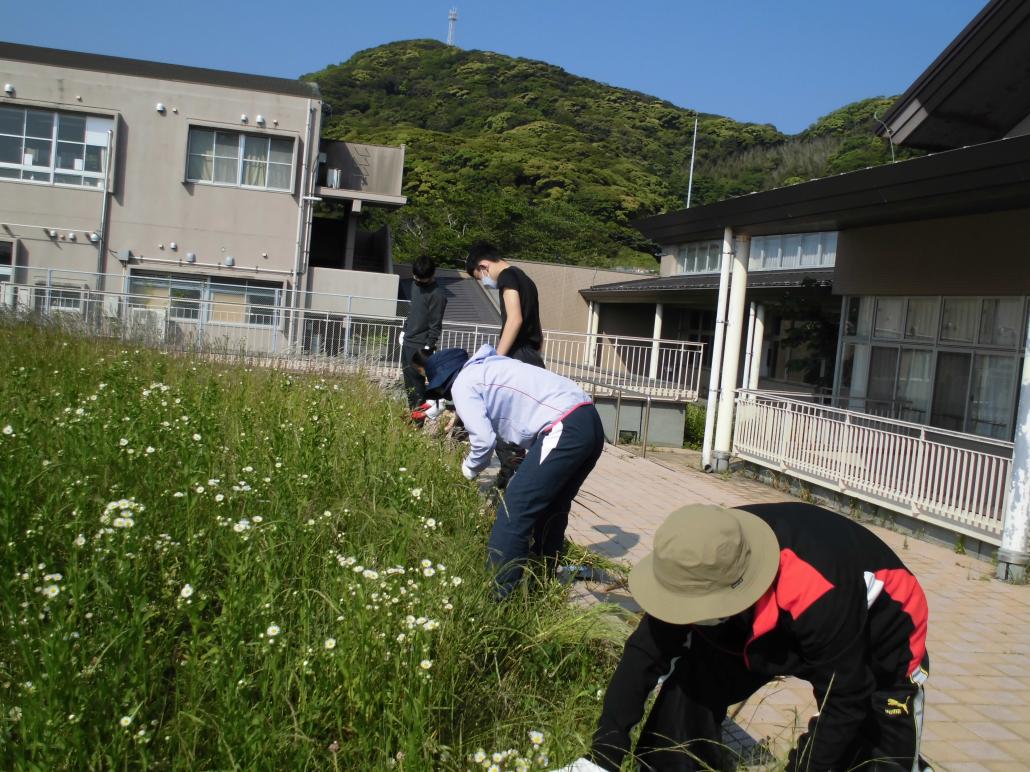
[708, 562]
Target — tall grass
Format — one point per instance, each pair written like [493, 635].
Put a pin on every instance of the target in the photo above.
[207, 566]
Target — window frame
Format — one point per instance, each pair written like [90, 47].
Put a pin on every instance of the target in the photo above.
[241, 136]
[937, 346]
[103, 178]
[207, 288]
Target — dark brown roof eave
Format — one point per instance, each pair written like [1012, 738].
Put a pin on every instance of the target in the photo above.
[990, 176]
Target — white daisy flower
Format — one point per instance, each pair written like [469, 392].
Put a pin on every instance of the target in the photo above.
[125, 721]
[272, 631]
[426, 664]
[330, 644]
[186, 591]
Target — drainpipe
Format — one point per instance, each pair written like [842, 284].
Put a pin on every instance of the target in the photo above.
[731, 355]
[656, 336]
[1013, 556]
[301, 223]
[749, 350]
[717, 347]
[756, 358]
[104, 210]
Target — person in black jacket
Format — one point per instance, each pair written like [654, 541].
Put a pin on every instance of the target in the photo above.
[422, 328]
[735, 597]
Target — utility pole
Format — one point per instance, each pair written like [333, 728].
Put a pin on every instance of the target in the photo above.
[693, 150]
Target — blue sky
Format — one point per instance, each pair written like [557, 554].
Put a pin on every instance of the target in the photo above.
[784, 62]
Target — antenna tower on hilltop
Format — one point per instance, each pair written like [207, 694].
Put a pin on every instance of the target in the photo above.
[452, 22]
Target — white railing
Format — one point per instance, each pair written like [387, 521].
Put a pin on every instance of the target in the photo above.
[956, 479]
[341, 341]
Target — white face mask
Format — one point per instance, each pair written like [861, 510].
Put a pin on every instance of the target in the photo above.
[710, 622]
[489, 282]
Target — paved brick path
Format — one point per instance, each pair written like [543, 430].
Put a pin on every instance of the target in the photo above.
[978, 696]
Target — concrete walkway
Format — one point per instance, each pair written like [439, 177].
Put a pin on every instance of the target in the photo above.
[978, 695]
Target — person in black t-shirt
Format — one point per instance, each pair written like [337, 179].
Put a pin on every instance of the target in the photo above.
[522, 335]
[422, 328]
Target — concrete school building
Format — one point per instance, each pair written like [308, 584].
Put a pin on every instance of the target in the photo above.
[190, 186]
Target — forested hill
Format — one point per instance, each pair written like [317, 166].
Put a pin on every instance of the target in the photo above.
[552, 166]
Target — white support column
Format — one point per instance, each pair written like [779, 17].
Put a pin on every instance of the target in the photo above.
[749, 347]
[590, 350]
[656, 336]
[352, 232]
[1013, 555]
[731, 354]
[711, 406]
[757, 342]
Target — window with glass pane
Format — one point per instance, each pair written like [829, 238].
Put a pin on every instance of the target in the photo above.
[1002, 322]
[185, 302]
[810, 255]
[883, 372]
[261, 307]
[992, 396]
[6, 259]
[887, 323]
[950, 388]
[791, 252]
[48, 146]
[959, 319]
[914, 385]
[921, 319]
[248, 160]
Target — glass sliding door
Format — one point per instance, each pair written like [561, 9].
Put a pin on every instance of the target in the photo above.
[950, 390]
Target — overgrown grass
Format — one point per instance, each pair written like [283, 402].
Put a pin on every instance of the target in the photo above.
[210, 567]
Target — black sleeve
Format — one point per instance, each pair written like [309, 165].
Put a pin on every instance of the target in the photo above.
[838, 669]
[434, 318]
[649, 654]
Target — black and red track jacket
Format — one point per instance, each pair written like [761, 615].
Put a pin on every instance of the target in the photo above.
[843, 613]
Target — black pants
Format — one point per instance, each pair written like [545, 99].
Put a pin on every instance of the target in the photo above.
[414, 381]
[510, 455]
[683, 732]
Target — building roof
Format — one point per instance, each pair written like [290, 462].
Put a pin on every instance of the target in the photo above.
[652, 290]
[467, 302]
[976, 91]
[993, 176]
[142, 68]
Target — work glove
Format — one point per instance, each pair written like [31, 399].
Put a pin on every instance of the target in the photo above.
[400, 339]
[467, 471]
[427, 350]
[581, 765]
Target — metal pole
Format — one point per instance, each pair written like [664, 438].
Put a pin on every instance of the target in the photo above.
[748, 347]
[647, 423]
[618, 410]
[690, 180]
[102, 241]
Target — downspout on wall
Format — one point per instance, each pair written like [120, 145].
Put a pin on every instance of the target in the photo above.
[310, 158]
[717, 347]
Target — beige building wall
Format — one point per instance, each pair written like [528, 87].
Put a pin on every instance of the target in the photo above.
[985, 254]
[151, 204]
[558, 286]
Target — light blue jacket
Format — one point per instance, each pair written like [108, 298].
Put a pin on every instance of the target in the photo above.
[497, 397]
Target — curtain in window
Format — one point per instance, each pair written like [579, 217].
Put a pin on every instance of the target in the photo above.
[255, 161]
[914, 384]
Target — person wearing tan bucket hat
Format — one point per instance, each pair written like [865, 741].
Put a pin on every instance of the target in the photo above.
[736, 597]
